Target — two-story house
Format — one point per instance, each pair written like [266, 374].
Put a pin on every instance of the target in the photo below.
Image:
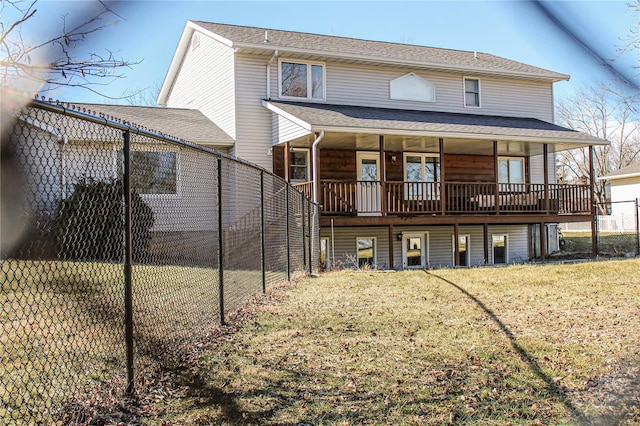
[418, 156]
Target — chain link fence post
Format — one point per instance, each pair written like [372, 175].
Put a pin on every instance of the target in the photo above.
[310, 228]
[286, 202]
[262, 236]
[304, 234]
[637, 226]
[220, 246]
[128, 260]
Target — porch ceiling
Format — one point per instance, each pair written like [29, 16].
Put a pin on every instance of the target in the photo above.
[407, 130]
[400, 143]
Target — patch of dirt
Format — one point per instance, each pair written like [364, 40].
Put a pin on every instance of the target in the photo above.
[611, 399]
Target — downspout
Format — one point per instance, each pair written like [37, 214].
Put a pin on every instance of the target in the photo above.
[314, 152]
[275, 55]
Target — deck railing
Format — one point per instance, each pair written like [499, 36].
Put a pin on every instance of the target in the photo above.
[404, 198]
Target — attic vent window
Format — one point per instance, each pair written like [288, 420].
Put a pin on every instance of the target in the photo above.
[195, 41]
[410, 87]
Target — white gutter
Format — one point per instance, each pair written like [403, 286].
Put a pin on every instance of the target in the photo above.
[275, 55]
[314, 177]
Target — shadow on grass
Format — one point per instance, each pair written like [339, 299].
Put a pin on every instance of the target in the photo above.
[524, 355]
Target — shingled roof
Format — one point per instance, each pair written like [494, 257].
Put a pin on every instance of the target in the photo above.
[375, 51]
[386, 120]
[632, 170]
[190, 125]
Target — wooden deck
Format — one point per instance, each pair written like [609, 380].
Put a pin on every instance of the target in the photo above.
[410, 199]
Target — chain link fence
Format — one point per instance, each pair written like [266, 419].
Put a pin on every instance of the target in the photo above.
[617, 234]
[121, 250]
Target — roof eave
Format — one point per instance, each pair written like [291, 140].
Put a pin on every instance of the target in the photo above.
[487, 136]
[554, 77]
[624, 176]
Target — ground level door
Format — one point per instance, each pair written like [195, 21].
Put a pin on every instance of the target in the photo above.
[414, 251]
[368, 186]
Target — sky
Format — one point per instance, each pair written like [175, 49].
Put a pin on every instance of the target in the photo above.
[149, 31]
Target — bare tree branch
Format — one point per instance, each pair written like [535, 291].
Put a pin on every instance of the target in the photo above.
[66, 61]
[607, 113]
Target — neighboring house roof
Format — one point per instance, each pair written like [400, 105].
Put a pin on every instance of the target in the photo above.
[626, 172]
[343, 118]
[343, 49]
[189, 125]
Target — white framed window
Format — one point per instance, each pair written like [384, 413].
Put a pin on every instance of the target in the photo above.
[511, 173]
[366, 251]
[471, 92]
[299, 165]
[500, 249]
[301, 80]
[154, 172]
[410, 87]
[464, 252]
[421, 172]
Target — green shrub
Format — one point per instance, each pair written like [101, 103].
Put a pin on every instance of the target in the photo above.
[89, 224]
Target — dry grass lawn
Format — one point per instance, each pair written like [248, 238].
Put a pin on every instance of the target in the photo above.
[551, 344]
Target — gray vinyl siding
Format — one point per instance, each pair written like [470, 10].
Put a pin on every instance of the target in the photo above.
[345, 245]
[536, 169]
[253, 138]
[439, 244]
[284, 130]
[206, 82]
[349, 84]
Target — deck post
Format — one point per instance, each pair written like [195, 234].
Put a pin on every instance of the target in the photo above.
[287, 161]
[545, 153]
[495, 173]
[443, 191]
[383, 177]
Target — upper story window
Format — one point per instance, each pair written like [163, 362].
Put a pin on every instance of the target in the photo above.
[299, 165]
[410, 87]
[511, 173]
[302, 80]
[471, 92]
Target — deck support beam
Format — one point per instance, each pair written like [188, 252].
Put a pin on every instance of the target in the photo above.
[391, 265]
[456, 245]
[485, 234]
[543, 241]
